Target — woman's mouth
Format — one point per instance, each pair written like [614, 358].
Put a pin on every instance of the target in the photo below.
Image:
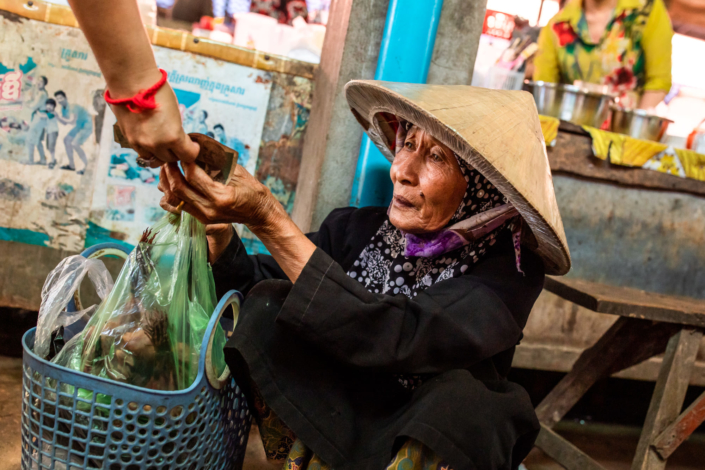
[402, 202]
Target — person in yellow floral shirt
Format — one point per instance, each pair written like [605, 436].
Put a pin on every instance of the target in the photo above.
[623, 44]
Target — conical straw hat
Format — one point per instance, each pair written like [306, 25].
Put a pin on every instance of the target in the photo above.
[495, 131]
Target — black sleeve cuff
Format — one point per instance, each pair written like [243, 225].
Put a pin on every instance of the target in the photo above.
[305, 289]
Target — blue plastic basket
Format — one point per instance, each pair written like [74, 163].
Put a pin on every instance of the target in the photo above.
[72, 420]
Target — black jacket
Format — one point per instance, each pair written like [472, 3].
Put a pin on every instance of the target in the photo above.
[324, 352]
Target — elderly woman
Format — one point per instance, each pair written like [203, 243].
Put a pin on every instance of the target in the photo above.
[383, 340]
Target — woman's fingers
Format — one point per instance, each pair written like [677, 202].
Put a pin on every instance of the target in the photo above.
[185, 192]
[164, 187]
[195, 211]
[165, 204]
[198, 178]
[163, 180]
[185, 149]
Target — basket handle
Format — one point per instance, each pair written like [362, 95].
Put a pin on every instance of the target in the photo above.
[96, 251]
[233, 298]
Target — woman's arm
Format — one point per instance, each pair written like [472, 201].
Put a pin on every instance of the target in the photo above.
[125, 57]
[656, 42]
[453, 324]
[651, 98]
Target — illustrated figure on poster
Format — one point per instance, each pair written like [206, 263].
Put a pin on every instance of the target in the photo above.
[234, 143]
[219, 134]
[243, 151]
[99, 105]
[77, 116]
[52, 130]
[197, 123]
[38, 121]
[123, 165]
[201, 126]
[13, 131]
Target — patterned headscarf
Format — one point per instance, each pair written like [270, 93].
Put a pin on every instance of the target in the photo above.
[397, 262]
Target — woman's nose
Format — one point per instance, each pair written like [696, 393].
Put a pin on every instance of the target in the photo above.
[406, 169]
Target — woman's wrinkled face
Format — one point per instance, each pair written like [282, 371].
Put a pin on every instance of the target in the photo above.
[428, 184]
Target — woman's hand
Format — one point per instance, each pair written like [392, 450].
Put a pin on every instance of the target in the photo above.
[218, 235]
[243, 200]
[157, 135]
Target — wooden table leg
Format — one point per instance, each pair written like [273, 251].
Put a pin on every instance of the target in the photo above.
[676, 433]
[667, 400]
[628, 342]
[564, 452]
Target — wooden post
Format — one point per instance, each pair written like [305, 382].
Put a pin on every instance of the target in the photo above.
[564, 452]
[668, 396]
[628, 341]
[332, 141]
[457, 41]
[681, 429]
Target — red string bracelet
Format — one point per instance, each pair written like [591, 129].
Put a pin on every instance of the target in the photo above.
[144, 99]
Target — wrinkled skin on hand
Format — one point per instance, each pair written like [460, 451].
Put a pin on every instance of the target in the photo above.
[243, 200]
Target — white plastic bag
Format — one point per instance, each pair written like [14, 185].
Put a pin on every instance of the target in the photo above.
[58, 290]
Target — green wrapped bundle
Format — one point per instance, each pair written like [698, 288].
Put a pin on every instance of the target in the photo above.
[148, 332]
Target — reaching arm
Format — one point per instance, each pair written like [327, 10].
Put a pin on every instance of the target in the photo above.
[123, 51]
[651, 98]
[125, 57]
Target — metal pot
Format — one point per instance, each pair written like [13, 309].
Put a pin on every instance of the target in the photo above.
[638, 123]
[570, 103]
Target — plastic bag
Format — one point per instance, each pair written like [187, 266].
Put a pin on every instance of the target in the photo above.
[149, 330]
[58, 290]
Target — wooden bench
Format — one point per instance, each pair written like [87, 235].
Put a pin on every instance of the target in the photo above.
[649, 324]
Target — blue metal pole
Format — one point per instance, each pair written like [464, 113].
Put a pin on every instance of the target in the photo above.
[404, 56]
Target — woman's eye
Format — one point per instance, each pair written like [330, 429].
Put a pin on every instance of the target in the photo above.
[435, 157]
[409, 145]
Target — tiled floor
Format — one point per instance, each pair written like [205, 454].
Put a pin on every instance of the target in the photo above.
[612, 446]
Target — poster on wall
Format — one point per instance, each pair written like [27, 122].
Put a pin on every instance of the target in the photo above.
[225, 101]
[51, 117]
